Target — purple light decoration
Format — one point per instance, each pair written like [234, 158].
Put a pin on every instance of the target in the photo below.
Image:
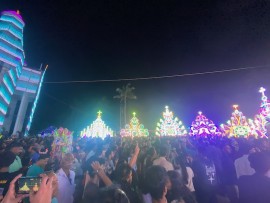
[203, 127]
[15, 14]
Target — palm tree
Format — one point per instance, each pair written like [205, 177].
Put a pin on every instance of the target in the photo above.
[124, 93]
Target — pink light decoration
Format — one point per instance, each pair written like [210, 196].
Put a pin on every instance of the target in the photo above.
[203, 127]
[15, 14]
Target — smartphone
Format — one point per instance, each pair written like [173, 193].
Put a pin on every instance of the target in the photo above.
[27, 184]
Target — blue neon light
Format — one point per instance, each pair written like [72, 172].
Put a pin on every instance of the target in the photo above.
[34, 105]
[12, 61]
[7, 27]
[12, 76]
[2, 120]
[8, 84]
[27, 86]
[12, 41]
[12, 51]
[5, 95]
[10, 18]
[3, 108]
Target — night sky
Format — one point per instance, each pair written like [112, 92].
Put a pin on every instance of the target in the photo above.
[102, 39]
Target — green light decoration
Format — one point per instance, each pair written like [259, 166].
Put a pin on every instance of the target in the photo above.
[97, 129]
[134, 128]
[170, 126]
[238, 125]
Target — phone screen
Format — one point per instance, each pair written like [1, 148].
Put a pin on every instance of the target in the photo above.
[27, 184]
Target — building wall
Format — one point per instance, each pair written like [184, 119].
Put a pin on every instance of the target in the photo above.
[18, 85]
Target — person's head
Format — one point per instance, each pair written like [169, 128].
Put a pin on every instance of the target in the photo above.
[124, 173]
[260, 161]
[164, 150]
[43, 158]
[16, 148]
[7, 158]
[227, 149]
[67, 161]
[113, 195]
[110, 153]
[157, 180]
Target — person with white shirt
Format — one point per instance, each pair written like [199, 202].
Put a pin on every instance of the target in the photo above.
[242, 164]
[66, 178]
[162, 161]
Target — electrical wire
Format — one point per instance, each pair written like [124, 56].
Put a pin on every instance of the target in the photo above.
[157, 77]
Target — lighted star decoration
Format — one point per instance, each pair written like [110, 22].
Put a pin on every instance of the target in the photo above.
[97, 129]
[238, 125]
[170, 126]
[203, 127]
[134, 128]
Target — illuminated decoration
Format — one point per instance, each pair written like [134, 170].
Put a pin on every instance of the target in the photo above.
[238, 125]
[2, 120]
[259, 126]
[35, 103]
[62, 142]
[134, 128]
[262, 119]
[203, 127]
[97, 128]
[265, 105]
[170, 126]
[12, 76]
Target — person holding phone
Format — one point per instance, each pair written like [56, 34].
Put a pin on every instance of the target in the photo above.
[43, 195]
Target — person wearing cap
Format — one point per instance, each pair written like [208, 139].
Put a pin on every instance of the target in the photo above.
[66, 178]
[38, 168]
[16, 148]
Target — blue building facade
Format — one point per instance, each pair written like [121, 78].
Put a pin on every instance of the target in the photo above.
[19, 84]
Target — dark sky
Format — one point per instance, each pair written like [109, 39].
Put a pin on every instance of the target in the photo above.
[102, 39]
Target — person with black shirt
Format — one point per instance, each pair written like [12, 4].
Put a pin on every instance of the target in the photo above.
[7, 158]
[255, 188]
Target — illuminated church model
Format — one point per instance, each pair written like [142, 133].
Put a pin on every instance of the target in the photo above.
[134, 128]
[262, 119]
[97, 129]
[203, 127]
[170, 126]
[238, 125]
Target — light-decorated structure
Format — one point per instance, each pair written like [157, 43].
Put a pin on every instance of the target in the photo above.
[238, 125]
[262, 119]
[97, 129]
[19, 85]
[170, 125]
[134, 128]
[203, 127]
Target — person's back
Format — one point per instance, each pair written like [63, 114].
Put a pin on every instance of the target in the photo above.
[242, 166]
[255, 188]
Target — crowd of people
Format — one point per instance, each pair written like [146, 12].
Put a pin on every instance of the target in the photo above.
[142, 169]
